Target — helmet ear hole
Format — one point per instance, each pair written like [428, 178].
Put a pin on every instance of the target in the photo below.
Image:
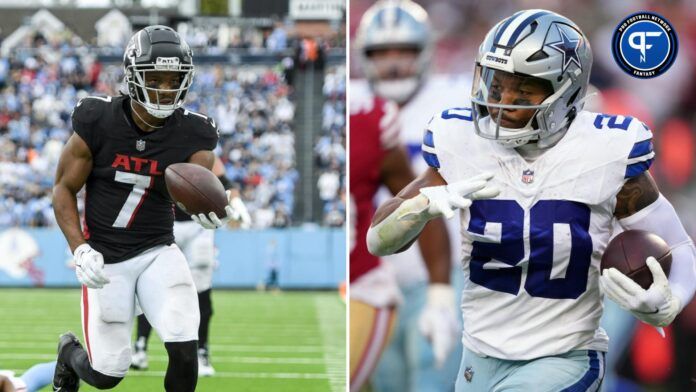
[538, 55]
[572, 98]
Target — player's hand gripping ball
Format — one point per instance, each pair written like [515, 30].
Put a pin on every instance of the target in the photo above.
[197, 191]
[635, 267]
[628, 251]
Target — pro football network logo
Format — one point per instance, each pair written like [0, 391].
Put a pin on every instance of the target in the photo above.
[645, 45]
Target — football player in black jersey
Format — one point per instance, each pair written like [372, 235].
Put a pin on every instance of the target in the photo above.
[125, 251]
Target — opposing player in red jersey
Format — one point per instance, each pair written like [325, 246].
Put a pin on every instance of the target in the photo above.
[378, 158]
[120, 150]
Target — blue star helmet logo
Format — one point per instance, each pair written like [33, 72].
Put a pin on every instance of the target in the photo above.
[568, 47]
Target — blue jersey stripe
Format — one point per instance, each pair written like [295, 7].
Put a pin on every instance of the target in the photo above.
[428, 138]
[431, 159]
[637, 168]
[590, 376]
[513, 38]
[641, 148]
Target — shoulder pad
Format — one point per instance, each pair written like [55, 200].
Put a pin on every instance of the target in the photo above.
[90, 108]
[201, 118]
[443, 128]
[641, 156]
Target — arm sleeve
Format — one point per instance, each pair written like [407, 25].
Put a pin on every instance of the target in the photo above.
[641, 155]
[225, 182]
[661, 218]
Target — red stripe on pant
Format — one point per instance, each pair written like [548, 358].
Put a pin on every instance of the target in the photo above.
[85, 320]
[374, 347]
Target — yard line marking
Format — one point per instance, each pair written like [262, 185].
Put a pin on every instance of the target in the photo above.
[149, 373]
[155, 345]
[328, 310]
[217, 359]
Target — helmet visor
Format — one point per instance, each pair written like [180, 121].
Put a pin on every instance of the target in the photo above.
[511, 100]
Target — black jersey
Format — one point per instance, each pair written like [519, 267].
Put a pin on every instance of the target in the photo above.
[180, 215]
[127, 207]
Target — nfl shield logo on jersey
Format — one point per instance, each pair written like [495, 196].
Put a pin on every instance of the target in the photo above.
[140, 145]
[528, 176]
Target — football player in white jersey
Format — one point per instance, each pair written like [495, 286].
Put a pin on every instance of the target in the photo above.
[395, 43]
[539, 183]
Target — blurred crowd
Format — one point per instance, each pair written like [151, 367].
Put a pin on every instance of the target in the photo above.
[41, 83]
[216, 38]
[330, 148]
[667, 104]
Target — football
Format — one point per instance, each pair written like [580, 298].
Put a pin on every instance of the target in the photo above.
[196, 188]
[627, 253]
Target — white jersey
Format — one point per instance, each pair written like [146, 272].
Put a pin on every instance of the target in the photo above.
[531, 255]
[439, 93]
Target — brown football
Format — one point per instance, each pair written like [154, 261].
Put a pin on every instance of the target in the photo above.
[627, 253]
[196, 188]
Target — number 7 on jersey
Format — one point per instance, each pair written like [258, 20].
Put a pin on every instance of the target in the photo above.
[141, 186]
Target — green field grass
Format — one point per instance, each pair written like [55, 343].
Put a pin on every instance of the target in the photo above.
[291, 341]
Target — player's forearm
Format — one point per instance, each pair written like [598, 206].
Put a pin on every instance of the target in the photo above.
[435, 247]
[67, 216]
[397, 224]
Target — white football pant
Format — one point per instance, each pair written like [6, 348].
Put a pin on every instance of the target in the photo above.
[162, 283]
[198, 245]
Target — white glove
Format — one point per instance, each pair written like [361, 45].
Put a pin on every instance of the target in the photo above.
[89, 267]
[244, 217]
[655, 306]
[233, 210]
[444, 198]
[438, 321]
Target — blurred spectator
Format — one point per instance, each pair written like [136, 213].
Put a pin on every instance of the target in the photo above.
[277, 41]
[330, 147]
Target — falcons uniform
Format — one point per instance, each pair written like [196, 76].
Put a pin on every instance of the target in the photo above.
[129, 218]
[531, 255]
[127, 206]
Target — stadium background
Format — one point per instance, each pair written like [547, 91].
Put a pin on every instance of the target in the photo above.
[667, 104]
[272, 74]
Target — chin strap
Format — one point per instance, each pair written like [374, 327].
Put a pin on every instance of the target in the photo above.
[142, 119]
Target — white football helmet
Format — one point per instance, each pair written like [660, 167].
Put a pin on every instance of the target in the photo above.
[395, 24]
[535, 46]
